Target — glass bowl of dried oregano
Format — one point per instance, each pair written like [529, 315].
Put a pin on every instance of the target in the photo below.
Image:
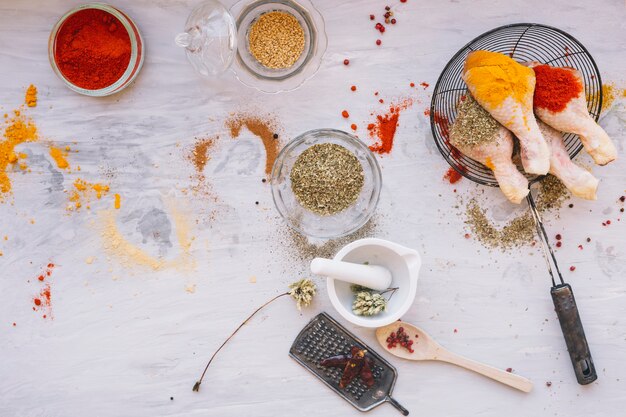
[326, 183]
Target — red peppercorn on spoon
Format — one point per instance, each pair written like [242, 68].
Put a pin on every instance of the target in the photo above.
[425, 348]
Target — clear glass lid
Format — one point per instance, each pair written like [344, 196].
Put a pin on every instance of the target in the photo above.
[216, 39]
[210, 38]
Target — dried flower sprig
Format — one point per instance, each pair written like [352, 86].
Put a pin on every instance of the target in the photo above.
[367, 302]
[301, 291]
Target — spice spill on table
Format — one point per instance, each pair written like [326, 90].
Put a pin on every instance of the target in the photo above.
[18, 129]
[383, 129]
[42, 300]
[520, 230]
[262, 126]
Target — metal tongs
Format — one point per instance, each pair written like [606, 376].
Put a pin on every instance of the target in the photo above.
[566, 309]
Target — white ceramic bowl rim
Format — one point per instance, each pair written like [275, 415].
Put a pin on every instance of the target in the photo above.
[373, 322]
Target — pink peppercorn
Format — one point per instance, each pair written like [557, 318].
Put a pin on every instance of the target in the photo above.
[378, 42]
[572, 268]
[346, 61]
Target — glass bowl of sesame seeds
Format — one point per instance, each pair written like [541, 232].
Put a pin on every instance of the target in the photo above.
[326, 183]
[270, 45]
[281, 43]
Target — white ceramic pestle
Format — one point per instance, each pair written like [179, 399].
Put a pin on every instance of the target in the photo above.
[375, 277]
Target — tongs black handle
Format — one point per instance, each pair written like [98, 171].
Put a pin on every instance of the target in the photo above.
[572, 327]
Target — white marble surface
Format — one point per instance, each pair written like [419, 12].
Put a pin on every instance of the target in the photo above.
[126, 338]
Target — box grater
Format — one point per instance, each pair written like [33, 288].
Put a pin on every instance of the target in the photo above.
[323, 337]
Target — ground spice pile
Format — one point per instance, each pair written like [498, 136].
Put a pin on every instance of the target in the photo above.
[327, 178]
[262, 127]
[384, 128]
[83, 192]
[276, 40]
[199, 155]
[60, 156]
[555, 87]
[31, 96]
[18, 129]
[92, 49]
[473, 126]
[520, 230]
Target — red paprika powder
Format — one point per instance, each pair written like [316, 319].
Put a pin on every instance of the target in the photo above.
[555, 87]
[92, 49]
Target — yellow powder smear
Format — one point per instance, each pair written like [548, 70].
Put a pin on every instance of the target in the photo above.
[129, 254]
[18, 130]
[495, 77]
[116, 244]
[118, 202]
[59, 157]
[83, 191]
[31, 96]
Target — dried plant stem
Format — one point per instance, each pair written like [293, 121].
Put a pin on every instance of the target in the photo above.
[393, 291]
[196, 386]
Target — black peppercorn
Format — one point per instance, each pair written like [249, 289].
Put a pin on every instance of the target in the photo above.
[275, 135]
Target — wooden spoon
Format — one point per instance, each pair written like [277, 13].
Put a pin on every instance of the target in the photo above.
[426, 348]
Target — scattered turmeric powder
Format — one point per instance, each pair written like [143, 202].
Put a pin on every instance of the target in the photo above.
[118, 202]
[18, 130]
[31, 96]
[59, 157]
[82, 193]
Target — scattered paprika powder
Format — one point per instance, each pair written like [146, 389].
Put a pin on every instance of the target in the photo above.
[92, 49]
[384, 128]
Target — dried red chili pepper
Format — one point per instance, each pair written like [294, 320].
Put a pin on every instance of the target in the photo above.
[354, 364]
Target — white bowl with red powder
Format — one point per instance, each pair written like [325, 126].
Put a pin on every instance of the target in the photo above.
[96, 49]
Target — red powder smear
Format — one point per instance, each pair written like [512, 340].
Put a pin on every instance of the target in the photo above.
[444, 127]
[427, 112]
[43, 301]
[385, 127]
[424, 84]
[452, 176]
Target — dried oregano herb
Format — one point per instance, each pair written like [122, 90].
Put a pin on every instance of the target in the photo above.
[520, 230]
[327, 178]
[473, 125]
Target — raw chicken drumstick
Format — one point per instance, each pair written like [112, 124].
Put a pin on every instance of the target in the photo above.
[574, 116]
[578, 180]
[479, 136]
[505, 89]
